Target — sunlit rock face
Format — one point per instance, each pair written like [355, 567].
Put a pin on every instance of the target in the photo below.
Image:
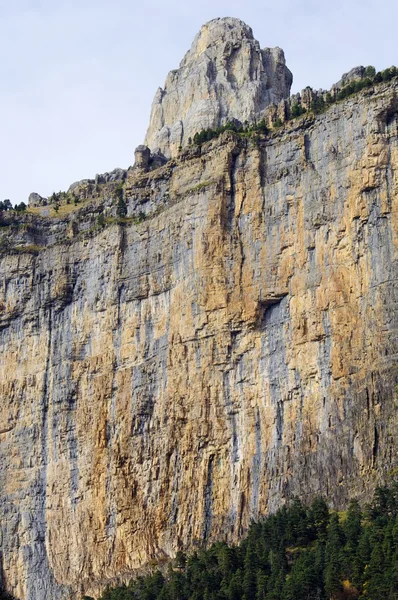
[165, 380]
[224, 76]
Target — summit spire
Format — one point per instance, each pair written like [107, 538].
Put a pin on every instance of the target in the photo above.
[225, 75]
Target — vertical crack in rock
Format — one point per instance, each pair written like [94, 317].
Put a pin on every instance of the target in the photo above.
[256, 466]
[232, 419]
[208, 500]
[175, 488]
[375, 448]
[307, 148]
[232, 160]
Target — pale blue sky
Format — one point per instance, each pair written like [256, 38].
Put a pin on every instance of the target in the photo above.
[77, 77]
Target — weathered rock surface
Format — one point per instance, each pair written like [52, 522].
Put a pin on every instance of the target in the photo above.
[224, 75]
[161, 383]
[145, 160]
[115, 175]
[354, 74]
[36, 200]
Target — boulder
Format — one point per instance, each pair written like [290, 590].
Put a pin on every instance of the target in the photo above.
[36, 200]
[142, 155]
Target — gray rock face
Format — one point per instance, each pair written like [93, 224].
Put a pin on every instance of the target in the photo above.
[145, 161]
[352, 75]
[224, 75]
[36, 200]
[115, 175]
[74, 186]
[142, 156]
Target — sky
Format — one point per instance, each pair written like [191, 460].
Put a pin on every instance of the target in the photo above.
[77, 77]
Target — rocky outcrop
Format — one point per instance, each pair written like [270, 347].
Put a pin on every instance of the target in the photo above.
[145, 160]
[164, 381]
[36, 200]
[225, 75]
[354, 74]
[142, 156]
[116, 175]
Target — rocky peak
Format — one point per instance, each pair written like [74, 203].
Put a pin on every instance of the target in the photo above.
[225, 75]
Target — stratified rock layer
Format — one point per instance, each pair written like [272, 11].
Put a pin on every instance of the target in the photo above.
[224, 76]
[162, 383]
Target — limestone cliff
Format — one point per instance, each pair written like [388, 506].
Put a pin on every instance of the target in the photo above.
[224, 76]
[232, 342]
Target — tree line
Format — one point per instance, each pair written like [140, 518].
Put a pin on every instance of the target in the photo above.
[7, 205]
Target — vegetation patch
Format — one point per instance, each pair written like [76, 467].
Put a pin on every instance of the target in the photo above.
[200, 186]
[28, 249]
[245, 130]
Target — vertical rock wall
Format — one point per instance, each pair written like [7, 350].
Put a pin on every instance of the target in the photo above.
[164, 382]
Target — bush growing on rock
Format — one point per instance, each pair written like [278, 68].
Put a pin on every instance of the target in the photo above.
[121, 207]
[370, 72]
[101, 220]
[245, 130]
[6, 205]
[297, 110]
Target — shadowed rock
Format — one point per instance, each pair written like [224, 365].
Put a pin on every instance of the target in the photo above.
[142, 156]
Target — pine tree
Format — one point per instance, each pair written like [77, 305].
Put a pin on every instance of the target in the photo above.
[318, 516]
[334, 545]
[235, 588]
[276, 581]
[121, 209]
[352, 529]
[376, 574]
[352, 524]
